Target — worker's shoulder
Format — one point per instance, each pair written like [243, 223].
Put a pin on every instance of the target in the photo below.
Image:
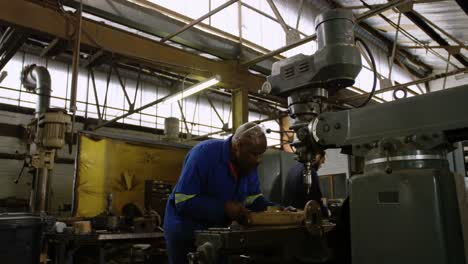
[211, 146]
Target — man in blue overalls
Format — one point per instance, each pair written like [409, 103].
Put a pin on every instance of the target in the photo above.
[218, 184]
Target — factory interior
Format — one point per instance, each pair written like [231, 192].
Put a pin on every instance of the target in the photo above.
[234, 131]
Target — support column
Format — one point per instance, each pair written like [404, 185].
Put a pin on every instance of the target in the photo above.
[240, 108]
[285, 135]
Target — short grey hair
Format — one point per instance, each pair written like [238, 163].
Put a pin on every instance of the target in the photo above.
[249, 130]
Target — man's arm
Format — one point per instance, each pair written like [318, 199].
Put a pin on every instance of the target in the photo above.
[189, 200]
[255, 201]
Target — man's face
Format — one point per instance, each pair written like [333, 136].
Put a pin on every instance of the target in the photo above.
[319, 160]
[249, 153]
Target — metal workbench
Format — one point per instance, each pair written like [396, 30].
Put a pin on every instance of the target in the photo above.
[66, 245]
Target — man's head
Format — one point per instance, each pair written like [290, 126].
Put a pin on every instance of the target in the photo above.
[319, 159]
[248, 145]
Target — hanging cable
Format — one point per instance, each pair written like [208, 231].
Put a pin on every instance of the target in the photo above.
[374, 85]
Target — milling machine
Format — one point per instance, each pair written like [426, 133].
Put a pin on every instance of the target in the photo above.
[307, 81]
[404, 207]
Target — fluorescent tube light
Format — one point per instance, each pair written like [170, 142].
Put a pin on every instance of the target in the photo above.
[191, 90]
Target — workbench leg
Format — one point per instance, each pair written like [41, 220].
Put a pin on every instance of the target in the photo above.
[70, 254]
[132, 255]
[102, 255]
[60, 254]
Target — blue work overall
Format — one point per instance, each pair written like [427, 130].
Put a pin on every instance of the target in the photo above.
[197, 201]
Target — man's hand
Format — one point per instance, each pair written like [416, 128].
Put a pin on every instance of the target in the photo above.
[235, 211]
[290, 209]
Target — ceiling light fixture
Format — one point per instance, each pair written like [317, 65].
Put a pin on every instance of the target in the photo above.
[192, 90]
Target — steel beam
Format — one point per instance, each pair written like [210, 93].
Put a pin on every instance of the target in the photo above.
[124, 89]
[279, 18]
[96, 59]
[239, 27]
[143, 15]
[411, 37]
[96, 98]
[215, 110]
[139, 109]
[421, 69]
[307, 39]
[184, 120]
[435, 47]
[271, 17]
[403, 85]
[98, 35]
[198, 20]
[462, 45]
[205, 136]
[418, 21]
[380, 9]
[240, 108]
[299, 13]
[54, 48]
[131, 112]
[413, 78]
[463, 4]
[10, 42]
[279, 51]
[377, 5]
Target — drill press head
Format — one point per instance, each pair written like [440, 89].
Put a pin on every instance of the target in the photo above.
[307, 81]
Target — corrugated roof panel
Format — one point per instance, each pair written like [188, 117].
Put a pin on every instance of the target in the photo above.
[447, 15]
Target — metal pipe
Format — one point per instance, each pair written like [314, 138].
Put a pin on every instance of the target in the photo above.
[76, 61]
[37, 78]
[41, 191]
[39, 200]
[198, 20]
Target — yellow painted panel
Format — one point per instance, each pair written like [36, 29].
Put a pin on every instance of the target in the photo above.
[120, 167]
